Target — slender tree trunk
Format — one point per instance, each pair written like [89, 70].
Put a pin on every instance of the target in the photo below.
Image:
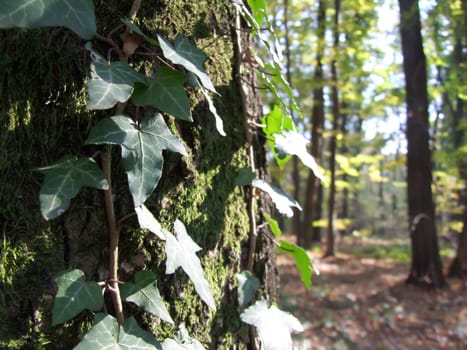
[329, 251]
[317, 121]
[426, 266]
[296, 170]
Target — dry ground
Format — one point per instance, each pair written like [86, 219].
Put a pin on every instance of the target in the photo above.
[363, 303]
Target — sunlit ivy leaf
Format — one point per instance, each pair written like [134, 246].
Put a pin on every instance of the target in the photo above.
[181, 251]
[274, 123]
[213, 110]
[165, 92]
[106, 333]
[185, 53]
[75, 15]
[182, 341]
[110, 82]
[64, 179]
[274, 325]
[302, 260]
[292, 142]
[282, 200]
[247, 287]
[148, 221]
[259, 10]
[245, 177]
[142, 145]
[75, 295]
[145, 294]
[273, 224]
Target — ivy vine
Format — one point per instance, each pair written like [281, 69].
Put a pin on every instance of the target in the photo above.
[142, 140]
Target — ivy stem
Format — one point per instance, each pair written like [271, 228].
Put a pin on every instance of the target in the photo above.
[113, 237]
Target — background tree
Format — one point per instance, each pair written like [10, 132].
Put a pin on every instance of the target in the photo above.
[426, 262]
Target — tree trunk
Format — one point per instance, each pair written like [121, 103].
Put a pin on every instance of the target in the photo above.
[317, 121]
[329, 251]
[43, 117]
[426, 266]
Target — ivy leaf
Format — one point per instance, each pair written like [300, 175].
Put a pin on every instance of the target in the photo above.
[274, 325]
[182, 341]
[302, 260]
[145, 294]
[247, 287]
[186, 54]
[106, 333]
[213, 110]
[142, 145]
[274, 225]
[165, 92]
[64, 179]
[148, 221]
[274, 123]
[181, 251]
[75, 15]
[74, 295]
[282, 200]
[258, 9]
[245, 177]
[292, 142]
[110, 82]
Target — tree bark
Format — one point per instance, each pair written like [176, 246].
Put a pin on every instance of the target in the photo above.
[426, 266]
[43, 117]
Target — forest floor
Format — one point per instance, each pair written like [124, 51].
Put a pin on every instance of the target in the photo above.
[360, 301]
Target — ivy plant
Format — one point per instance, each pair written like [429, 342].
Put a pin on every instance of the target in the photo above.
[142, 141]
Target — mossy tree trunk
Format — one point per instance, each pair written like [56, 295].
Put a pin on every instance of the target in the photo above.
[43, 116]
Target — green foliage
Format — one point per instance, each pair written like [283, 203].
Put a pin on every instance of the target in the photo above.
[145, 294]
[77, 15]
[75, 295]
[302, 260]
[110, 82]
[166, 92]
[64, 179]
[141, 145]
[108, 334]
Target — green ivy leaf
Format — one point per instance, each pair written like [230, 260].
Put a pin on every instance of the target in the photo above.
[292, 142]
[274, 225]
[259, 10]
[180, 252]
[75, 295]
[145, 294]
[165, 92]
[186, 54]
[247, 287]
[302, 260]
[282, 200]
[274, 123]
[110, 82]
[245, 177]
[142, 145]
[106, 333]
[64, 179]
[75, 15]
[274, 325]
